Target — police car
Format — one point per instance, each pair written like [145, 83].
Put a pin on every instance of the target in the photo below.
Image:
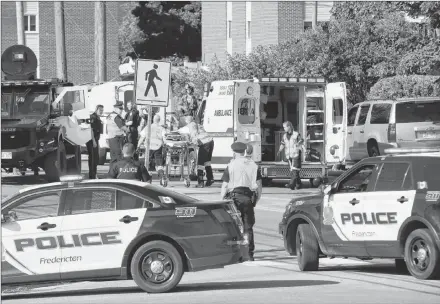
[77, 230]
[382, 207]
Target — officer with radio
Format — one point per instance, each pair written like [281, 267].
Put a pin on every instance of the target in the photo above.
[242, 183]
[129, 168]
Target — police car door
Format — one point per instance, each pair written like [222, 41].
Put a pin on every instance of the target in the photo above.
[342, 219]
[74, 99]
[30, 250]
[98, 230]
[336, 122]
[387, 208]
[247, 116]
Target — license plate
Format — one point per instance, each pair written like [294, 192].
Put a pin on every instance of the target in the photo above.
[6, 155]
[430, 135]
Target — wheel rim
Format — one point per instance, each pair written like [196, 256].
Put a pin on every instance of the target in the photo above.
[420, 254]
[157, 267]
[299, 246]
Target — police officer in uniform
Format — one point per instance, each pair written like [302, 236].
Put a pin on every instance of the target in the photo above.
[292, 144]
[156, 144]
[93, 145]
[129, 168]
[116, 130]
[242, 183]
[132, 121]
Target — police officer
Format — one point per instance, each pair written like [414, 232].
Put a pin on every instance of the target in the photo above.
[242, 183]
[129, 168]
[93, 145]
[156, 144]
[292, 144]
[116, 130]
[132, 121]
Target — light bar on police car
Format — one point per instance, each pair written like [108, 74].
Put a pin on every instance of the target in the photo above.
[71, 178]
[410, 150]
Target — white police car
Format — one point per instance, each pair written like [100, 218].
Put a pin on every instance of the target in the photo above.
[383, 207]
[115, 229]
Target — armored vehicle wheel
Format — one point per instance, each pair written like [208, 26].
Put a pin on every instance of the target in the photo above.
[157, 267]
[55, 164]
[422, 256]
[102, 156]
[307, 248]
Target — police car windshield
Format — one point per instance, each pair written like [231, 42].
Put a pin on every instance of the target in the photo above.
[19, 103]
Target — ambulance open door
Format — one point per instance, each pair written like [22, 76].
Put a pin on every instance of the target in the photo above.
[336, 122]
[247, 116]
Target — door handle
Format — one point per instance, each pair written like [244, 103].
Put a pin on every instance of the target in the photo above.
[45, 226]
[354, 202]
[128, 219]
[362, 131]
[402, 199]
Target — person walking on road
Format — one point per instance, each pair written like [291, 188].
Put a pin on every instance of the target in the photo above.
[129, 168]
[150, 76]
[242, 183]
[116, 130]
[292, 144]
[93, 144]
[132, 121]
[156, 144]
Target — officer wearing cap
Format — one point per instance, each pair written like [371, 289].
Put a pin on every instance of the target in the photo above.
[116, 130]
[241, 182]
[128, 167]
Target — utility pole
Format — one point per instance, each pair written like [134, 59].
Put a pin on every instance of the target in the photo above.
[60, 40]
[100, 26]
[20, 22]
[315, 15]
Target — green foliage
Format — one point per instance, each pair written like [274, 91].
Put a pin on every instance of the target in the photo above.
[129, 33]
[428, 9]
[425, 60]
[406, 86]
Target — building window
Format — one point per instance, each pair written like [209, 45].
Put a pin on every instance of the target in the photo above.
[30, 23]
[229, 29]
[249, 30]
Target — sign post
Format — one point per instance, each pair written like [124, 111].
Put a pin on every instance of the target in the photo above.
[151, 88]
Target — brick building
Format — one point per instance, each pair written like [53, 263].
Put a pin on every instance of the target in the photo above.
[79, 25]
[238, 27]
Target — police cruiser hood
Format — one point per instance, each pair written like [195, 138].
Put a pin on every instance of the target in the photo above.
[308, 198]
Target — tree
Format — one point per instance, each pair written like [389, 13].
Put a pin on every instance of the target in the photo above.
[428, 9]
[129, 33]
[406, 86]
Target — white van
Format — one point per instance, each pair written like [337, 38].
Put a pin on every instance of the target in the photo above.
[316, 109]
[376, 125]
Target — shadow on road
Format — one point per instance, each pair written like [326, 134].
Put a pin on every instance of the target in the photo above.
[179, 288]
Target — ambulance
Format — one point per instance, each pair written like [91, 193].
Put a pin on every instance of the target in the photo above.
[253, 112]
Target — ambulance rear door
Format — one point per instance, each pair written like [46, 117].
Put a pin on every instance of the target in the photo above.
[336, 122]
[218, 121]
[247, 115]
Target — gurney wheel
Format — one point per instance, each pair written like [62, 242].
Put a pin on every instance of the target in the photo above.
[187, 183]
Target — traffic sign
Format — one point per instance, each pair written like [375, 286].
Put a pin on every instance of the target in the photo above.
[152, 82]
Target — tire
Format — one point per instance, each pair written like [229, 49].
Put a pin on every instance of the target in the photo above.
[307, 248]
[418, 242]
[74, 164]
[192, 166]
[102, 156]
[154, 251]
[373, 150]
[55, 164]
[401, 266]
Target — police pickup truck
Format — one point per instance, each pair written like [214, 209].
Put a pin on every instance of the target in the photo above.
[115, 230]
[382, 207]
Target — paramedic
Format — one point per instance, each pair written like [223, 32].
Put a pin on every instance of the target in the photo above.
[116, 132]
[93, 145]
[156, 144]
[242, 182]
[132, 121]
[292, 144]
[129, 168]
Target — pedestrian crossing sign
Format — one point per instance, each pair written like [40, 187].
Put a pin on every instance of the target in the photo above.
[152, 82]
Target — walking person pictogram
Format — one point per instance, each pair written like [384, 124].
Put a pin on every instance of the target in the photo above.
[150, 76]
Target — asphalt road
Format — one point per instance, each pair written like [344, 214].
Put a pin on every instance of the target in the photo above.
[272, 278]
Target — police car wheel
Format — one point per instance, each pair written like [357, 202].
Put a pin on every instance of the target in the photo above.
[422, 255]
[307, 248]
[157, 267]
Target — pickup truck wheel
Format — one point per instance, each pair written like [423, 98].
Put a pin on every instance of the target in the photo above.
[157, 267]
[307, 248]
[422, 255]
[102, 156]
[55, 164]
